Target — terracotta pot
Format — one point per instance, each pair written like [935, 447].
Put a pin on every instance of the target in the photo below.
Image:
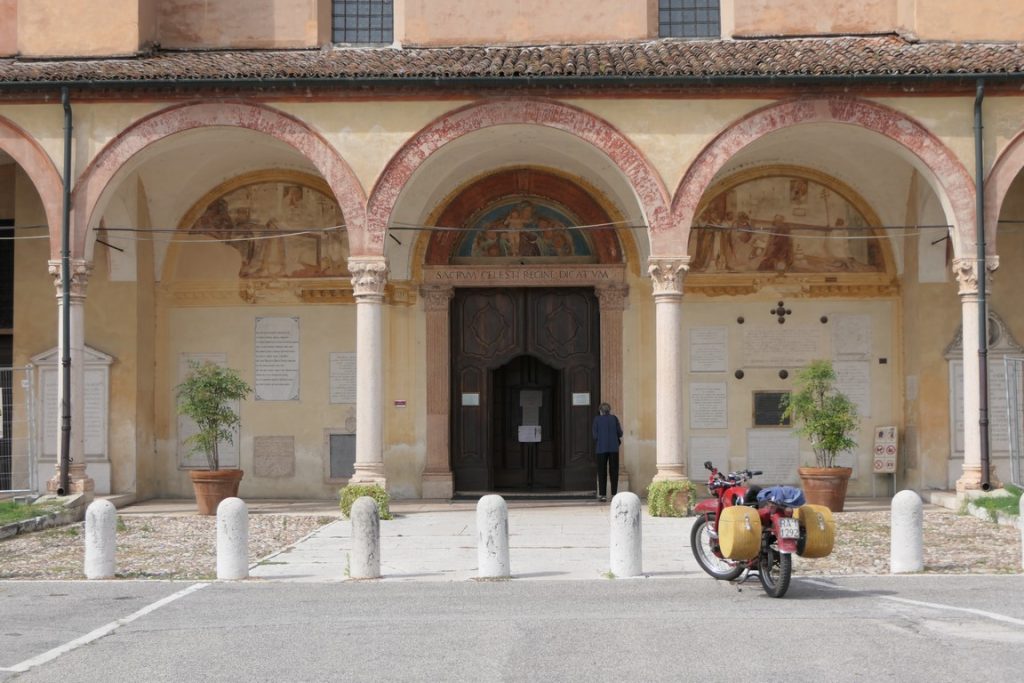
[213, 486]
[825, 485]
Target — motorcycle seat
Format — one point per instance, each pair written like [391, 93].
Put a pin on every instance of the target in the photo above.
[786, 496]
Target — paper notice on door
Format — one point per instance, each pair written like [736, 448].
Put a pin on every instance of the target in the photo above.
[529, 434]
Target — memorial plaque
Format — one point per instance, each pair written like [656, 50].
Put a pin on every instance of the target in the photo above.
[709, 349]
[342, 455]
[998, 415]
[343, 377]
[702, 448]
[273, 456]
[776, 452]
[95, 409]
[708, 405]
[851, 336]
[853, 378]
[781, 346]
[768, 409]
[277, 359]
[228, 451]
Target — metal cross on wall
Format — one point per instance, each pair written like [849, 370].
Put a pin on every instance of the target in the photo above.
[781, 312]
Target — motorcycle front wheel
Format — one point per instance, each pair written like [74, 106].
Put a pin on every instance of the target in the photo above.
[700, 542]
[775, 570]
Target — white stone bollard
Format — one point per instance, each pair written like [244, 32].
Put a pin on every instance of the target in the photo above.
[906, 549]
[232, 539]
[492, 538]
[626, 541]
[364, 560]
[100, 540]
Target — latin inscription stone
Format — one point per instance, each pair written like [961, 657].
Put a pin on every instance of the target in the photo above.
[277, 359]
[709, 349]
[343, 377]
[781, 346]
[708, 405]
[273, 456]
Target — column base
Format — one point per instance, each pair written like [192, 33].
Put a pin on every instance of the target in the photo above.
[971, 479]
[438, 485]
[670, 472]
[78, 481]
[372, 473]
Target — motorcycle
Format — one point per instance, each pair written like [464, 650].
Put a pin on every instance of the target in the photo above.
[754, 530]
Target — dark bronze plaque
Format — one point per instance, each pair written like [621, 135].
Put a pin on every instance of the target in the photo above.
[768, 409]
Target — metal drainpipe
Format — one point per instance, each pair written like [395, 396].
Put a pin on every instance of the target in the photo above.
[65, 312]
[979, 184]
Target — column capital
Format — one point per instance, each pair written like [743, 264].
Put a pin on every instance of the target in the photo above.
[612, 297]
[78, 278]
[966, 272]
[437, 297]
[369, 275]
[668, 274]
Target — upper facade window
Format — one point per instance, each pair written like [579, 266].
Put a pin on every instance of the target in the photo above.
[365, 21]
[689, 19]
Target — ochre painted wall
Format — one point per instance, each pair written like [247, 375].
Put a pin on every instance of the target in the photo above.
[51, 28]
[978, 20]
[455, 22]
[193, 24]
[8, 27]
[812, 17]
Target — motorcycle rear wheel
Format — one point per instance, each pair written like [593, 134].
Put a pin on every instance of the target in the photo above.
[700, 543]
[775, 569]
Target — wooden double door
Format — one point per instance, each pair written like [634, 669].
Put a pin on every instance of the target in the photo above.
[525, 388]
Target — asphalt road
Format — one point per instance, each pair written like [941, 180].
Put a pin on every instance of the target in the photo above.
[906, 628]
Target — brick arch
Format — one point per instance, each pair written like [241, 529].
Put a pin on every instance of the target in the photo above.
[1006, 169]
[40, 169]
[953, 184]
[646, 183]
[335, 171]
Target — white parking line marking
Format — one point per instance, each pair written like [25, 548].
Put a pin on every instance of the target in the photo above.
[99, 632]
[995, 616]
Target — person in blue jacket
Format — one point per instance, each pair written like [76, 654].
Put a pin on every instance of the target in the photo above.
[607, 437]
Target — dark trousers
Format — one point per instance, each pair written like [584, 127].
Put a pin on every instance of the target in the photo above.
[607, 469]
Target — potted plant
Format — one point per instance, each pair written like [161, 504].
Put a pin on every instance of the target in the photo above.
[671, 498]
[206, 396]
[828, 418]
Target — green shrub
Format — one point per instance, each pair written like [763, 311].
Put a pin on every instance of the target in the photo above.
[353, 492]
[660, 493]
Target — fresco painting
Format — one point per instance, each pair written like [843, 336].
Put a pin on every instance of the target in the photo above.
[782, 224]
[523, 230]
[249, 216]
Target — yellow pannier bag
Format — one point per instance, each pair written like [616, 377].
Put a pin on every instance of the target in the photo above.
[739, 532]
[817, 531]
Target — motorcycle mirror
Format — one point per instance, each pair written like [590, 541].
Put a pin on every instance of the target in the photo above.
[707, 465]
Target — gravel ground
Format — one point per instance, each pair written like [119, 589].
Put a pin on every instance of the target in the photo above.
[184, 547]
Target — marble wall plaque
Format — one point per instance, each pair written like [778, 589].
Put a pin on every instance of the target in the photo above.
[273, 456]
[781, 346]
[776, 452]
[998, 415]
[343, 377]
[708, 405]
[277, 359]
[702, 448]
[853, 378]
[851, 335]
[228, 451]
[95, 411]
[709, 349]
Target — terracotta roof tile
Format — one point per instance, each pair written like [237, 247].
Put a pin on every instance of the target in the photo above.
[884, 55]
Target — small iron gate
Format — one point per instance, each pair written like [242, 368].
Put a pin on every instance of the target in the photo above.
[18, 471]
[1014, 406]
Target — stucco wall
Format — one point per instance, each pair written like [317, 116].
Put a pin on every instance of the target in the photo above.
[979, 20]
[811, 17]
[252, 24]
[48, 28]
[8, 27]
[454, 22]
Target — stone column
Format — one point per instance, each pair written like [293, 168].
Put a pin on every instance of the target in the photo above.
[667, 275]
[612, 301]
[967, 275]
[437, 474]
[369, 275]
[79, 481]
